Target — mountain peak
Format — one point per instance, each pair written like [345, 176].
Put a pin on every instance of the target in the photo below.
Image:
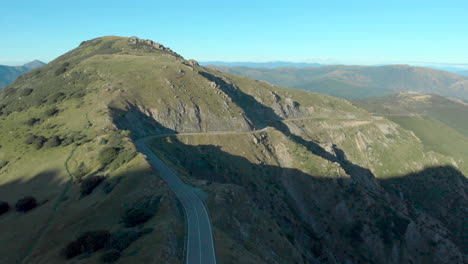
[34, 64]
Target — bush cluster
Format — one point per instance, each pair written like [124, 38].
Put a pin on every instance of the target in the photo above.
[87, 242]
[121, 240]
[4, 207]
[36, 141]
[73, 137]
[56, 97]
[107, 155]
[3, 163]
[32, 121]
[26, 91]
[51, 112]
[26, 204]
[89, 184]
[52, 142]
[62, 68]
[40, 141]
[92, 241]
[141, 212]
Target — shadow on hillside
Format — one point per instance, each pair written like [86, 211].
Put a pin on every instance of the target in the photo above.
[438, 191]
[292, 198]
[257, 113]
[63, 213]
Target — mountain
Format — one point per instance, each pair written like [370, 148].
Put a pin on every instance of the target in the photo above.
[287, 176]
[354, 82]
[8, 74]
[266, 65]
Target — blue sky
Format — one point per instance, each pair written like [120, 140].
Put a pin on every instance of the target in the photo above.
[352, 32]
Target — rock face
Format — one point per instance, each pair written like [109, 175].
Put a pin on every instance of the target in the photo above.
[148, 42]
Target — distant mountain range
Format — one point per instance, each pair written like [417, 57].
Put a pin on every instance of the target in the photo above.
[354, 82]
[8, 74]
[267, 65]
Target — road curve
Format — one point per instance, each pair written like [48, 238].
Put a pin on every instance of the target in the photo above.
[200, 245]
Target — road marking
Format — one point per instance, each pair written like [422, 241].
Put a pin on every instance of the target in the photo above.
[211, 231]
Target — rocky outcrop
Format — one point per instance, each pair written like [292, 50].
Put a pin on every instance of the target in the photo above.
[149, 43]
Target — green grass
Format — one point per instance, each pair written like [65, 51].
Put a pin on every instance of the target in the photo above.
[436, 136]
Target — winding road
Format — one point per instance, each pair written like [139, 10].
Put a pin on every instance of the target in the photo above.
[200, 245]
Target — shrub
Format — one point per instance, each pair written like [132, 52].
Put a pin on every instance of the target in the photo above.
[121, 240]
[89, 184]
[32, 121]
[107, 155]
[3, 164]
[36, 141]
[123, 157]
[81, 171]
[51, 112]
[26, 91]
[39, 142]
[26, 204]
[56, 97]
[136, 216]
[87, 242]
[110, 256]
[63, 68]
[141, 212]
[4, 207]
[30, 139]
[52, 142]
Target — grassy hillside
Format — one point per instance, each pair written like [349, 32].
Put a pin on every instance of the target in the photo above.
[440, 123]
[354, 82]
[289, 176]
[57, 142]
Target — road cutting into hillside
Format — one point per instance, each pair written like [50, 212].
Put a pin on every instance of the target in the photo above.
[200, 246]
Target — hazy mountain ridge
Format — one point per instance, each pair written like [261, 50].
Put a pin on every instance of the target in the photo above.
[290, 176]
[267, 65]
[354, 82]
[8, 74]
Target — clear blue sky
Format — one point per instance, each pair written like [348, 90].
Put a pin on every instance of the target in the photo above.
[351, 31]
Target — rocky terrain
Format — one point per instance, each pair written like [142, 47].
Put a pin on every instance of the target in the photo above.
[288, 176]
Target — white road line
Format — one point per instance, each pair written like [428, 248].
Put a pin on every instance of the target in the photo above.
[211, 231]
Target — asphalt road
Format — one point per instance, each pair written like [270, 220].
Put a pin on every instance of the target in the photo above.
[200, 246]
